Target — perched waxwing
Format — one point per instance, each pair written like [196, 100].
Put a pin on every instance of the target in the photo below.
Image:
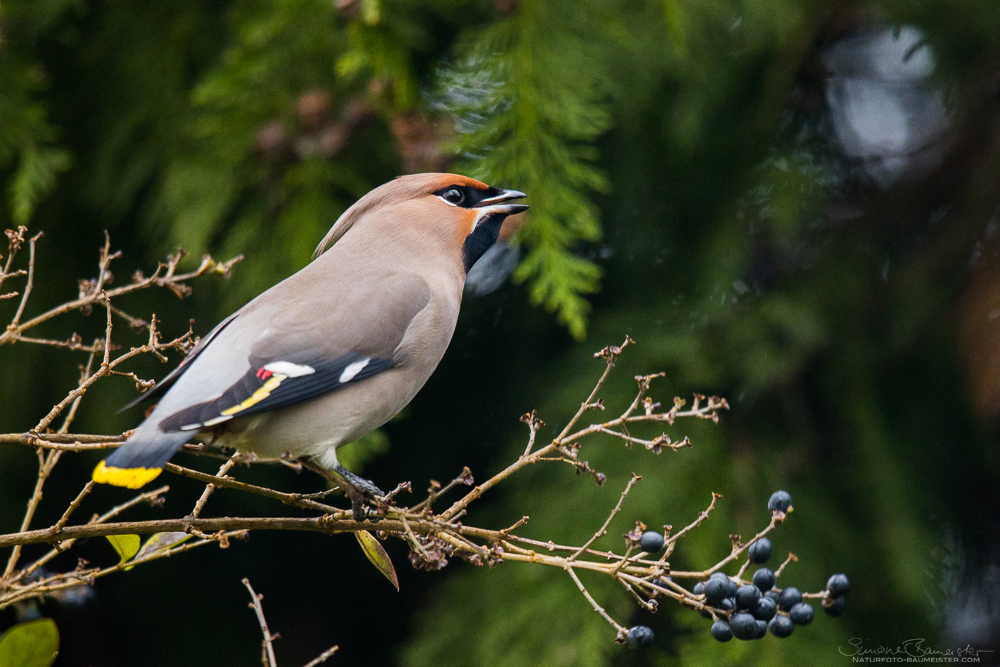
[335, 350]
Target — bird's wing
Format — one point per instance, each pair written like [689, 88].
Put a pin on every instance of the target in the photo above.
[310, 351]
[167, 382]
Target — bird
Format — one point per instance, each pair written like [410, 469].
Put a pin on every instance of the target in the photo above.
[335, 350]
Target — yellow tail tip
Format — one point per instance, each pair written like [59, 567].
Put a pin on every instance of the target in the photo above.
[132, 478]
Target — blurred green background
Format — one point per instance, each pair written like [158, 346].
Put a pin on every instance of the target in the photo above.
[789, 203]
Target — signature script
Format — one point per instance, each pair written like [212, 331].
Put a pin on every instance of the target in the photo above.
[914, 648]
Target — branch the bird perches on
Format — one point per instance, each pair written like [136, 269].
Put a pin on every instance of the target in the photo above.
[432, 536]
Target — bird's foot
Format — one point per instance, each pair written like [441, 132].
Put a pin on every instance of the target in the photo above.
[367, 500]
[364, 495]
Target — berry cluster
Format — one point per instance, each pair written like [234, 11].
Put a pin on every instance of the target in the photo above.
[749, 610]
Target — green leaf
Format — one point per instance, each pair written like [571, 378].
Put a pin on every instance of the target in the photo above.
[159, 542]
[35, 178]
[127, 546]
[31, 644]
[377, 555]
[162, 541]
[536, 132]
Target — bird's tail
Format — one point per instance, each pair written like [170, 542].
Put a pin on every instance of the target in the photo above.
[140, 459]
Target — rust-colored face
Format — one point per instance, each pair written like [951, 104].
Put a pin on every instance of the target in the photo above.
[469, 189]
[479, 209]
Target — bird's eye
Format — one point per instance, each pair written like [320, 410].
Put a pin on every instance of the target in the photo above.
[454, 196]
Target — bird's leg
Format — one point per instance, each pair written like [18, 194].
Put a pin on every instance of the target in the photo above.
[363, 493]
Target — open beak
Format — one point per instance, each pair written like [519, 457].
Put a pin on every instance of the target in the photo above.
[496, 204]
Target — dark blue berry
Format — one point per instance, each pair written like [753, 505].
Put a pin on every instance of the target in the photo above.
[719, 586]
[764, 579]
[761, 551]
[651, 541]
[699, 588]
[836, 607]
[765, 609]
[761, 630]
[721, 631]
[747, 596]
[802, 614]
[639, 636]
[715, 590]
[788, 598]
[724, 605]
[773, 595]
[781, 626]
[780, 501]
[838, 585]
[744, 625]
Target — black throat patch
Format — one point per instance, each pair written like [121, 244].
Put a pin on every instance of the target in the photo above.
[480, 240]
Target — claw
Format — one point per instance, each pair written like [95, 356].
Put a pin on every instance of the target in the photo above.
[364, 495]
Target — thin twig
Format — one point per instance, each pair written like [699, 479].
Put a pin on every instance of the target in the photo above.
[267, 645]
[322, 657]
[107, 334]
[792, 558]
[672, 541]
[737, 551]
[72, 507]
[79, 391]
[45, 464]
[465, 477]
[71, 415]
[477, 492]
[169, 279]
[14, 241]
[72, 344]
[82, 576]
[593, 603]
[209, 488]
[13, 326]
[147, 497]
[286, 498]
[412, 539]
[609, 354]
[53, 440]
[603, 530]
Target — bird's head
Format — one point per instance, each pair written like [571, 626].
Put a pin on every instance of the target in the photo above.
[465, 211]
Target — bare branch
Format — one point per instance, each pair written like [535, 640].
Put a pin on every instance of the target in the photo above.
[267, 645]
[287, 498]
[13, 326]
[792, 558]
[432, 537]
[603, 530]
[209, 488]
[321, 658]
[609, 354]
[672, 541]
[593, 603]
[72, 507]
